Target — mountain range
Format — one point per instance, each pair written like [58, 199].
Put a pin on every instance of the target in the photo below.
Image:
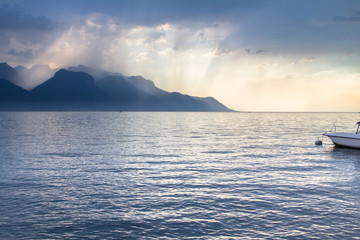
[82, 88]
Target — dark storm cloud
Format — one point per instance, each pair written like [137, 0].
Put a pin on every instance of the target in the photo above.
[24, 35]
[148, 12]
[351, 19]
[159, 11]
[28, 53]
[258, 52]
[13, 17]
[28, 27]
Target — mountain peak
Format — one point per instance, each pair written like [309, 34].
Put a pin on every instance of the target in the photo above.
[74, 88]
[96, 73]
[68, 89]
[9, 73]
[65, 75]
[4, 64]
[43, 67]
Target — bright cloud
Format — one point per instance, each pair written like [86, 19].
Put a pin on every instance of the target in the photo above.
[251, 55]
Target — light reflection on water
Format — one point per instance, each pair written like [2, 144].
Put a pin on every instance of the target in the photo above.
[176, 175]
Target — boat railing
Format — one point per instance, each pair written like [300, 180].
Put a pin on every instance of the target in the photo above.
[333, 128]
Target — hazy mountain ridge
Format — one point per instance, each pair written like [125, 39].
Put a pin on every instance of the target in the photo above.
[34, 76]
[86, 88]
[145, 85]
[170, 101]
[10, 74]
[96, 73]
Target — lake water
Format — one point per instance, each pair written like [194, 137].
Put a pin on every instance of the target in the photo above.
[110, 175]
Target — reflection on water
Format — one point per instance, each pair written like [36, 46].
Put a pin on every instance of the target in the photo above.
[176, 175]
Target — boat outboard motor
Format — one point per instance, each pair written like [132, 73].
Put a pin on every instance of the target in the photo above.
[318, 142]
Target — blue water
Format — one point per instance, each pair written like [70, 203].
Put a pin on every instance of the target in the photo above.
[101, 175]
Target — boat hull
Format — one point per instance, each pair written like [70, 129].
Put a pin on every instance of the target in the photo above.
[345, 139]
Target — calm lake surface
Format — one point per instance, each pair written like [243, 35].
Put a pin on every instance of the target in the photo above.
[110, 175]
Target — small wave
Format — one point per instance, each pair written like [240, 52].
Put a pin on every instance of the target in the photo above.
[154, 155]
[67, 155]
[218, 152]
[196, 137]
[24, 135]
[297, 168]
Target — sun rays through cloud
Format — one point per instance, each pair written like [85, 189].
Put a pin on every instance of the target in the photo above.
[252, 55]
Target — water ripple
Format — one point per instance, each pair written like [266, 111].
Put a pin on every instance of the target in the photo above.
[175, 176]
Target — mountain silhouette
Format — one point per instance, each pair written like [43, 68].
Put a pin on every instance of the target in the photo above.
[145, 85]
[13, 97]
[127, 95]
[174, 101]
[96, 73]
[10, 74]
[78, 90]
[181, 102]
[147, 96]
[21, 68]
[9, 92]
[74, 90]
[214, 105]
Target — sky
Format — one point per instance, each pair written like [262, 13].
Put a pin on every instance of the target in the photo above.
[251, 55]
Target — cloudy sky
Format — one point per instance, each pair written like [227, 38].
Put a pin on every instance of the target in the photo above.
[252, 55]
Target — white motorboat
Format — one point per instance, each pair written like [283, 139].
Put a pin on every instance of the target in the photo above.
[351, 140]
